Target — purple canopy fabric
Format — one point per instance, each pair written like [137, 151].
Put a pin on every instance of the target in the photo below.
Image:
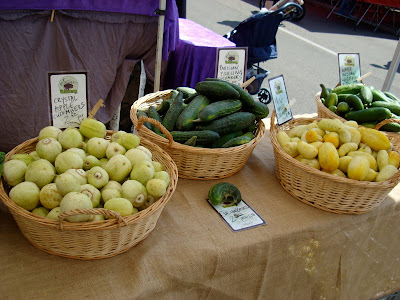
[104, 44]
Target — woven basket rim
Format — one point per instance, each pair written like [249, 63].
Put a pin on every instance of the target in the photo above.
[390, 183]
[185, 148]
[100, 225]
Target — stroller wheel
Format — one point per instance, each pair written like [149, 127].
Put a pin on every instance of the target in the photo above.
[264, 96]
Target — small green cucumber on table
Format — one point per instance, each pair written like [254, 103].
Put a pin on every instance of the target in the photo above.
[325, 91]
[152, 113]
[219, 109]
[260, 110]
[142, 113]
[173, 112]
[191, 112]
[224, 193]
[352, 88]
[392, 96]
[230, 123]
[354, 102]
[216, 90]
[204, 137]
[163, 107]
[331, 100]
[186, 91]
[224, 138]
[378, 95]
[191, 141]
[394, 107]
[366, 95]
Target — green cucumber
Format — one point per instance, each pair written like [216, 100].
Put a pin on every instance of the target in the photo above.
[173, 112]
[352, 88]
[204, 137]
[392, 96]
[216, 90]
[224, 193]
[260, 110]
[378, 95]
[244, 96]
[190, 98]
[191, 141]
[163, 107]
[186, 91]
[394, 107]
[331, 100]
[391, 127]
[333, 108]
[240, 140]
[342, 97]
[324, 91]
[152, 113]
[354, 102]
[342, 108]
[219, 109]
[191, 112]
[366, 95]
[224, 138]
[142, 113]
[230, 123]
[373, 114]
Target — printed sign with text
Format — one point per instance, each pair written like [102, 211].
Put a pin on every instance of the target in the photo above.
[240, 216]
[231, 64]
[349, 67]
[280, 99]
[68, 98]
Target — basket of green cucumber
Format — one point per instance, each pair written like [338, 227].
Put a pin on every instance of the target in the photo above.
[209, 131]
[368, 106]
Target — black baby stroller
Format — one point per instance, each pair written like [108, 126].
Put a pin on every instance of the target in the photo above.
[257, 33]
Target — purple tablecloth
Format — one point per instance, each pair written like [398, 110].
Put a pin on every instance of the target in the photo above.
[194, 58]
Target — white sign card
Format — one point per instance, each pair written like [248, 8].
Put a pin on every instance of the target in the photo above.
[239, 217]
[349, 67]
[68, 98]
[280, 99]
[231, 64]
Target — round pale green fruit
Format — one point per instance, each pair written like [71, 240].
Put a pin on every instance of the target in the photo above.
[134, 191]
[163, 175]
[93, 193]
[97, 147]
[130, 140]
[117, 136]
[91, 127]
[25, 195]
[135, 155]
[145, 150]
[156, 187]
[48, 149]
[108, 194]
[90, 161]
[34, 155]
[14, 171]
[67, 183]
[157, 166]
[148, 202]
[75, 200]
[26, 158]
[118, 167]
[49, 196]
[79, 174]
[40, 211]
[41, 172]
[97, 218]
[103, 161]
[70, 138]
[143, 171]
[113, 149]
[112, 184]
[120, 205]
[68, 160]
[54, 213]
[98, 177]
[49, 132]
[79, 151]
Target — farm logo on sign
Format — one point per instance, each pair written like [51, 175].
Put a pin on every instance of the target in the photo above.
[349, 61]
[278, 88]
[232, 57]
[68, 85]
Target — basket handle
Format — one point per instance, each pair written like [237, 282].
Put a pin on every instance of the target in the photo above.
[386, 121]
[164, 130]
[98, 211]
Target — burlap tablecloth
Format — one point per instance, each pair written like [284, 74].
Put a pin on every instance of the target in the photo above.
[302, 252]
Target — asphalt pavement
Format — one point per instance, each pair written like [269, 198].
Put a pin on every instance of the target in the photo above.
[307, 49]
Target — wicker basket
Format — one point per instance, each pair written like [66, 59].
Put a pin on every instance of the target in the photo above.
[194, 162]
[322, 190]
[90, 240]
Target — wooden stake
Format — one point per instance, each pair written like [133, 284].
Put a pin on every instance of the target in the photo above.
[246, 83]
[96, 108]
[52, 15]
